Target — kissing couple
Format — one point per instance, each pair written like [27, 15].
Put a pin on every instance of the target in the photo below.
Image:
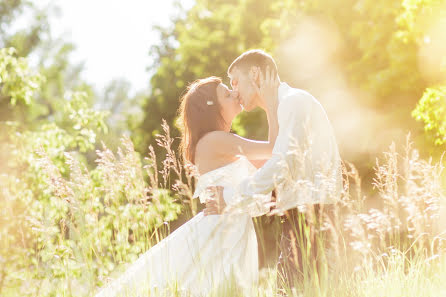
[297, 170]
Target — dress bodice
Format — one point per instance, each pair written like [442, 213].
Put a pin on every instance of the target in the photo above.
[228, 176]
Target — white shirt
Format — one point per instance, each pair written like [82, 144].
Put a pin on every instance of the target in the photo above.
[305, 167]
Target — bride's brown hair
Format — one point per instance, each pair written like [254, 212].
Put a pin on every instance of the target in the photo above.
[199, 113]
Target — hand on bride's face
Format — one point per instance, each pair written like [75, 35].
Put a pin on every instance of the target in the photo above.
[256, 88]
[266, 86]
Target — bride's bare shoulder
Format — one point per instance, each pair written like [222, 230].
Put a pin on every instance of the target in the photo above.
[213, 141]
[210, 148]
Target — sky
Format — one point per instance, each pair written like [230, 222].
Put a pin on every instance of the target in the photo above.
[113, 37]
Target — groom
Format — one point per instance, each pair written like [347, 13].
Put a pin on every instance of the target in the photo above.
[304, 170]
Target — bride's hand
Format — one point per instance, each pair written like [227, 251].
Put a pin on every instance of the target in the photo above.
[216, 204]
[268, 87]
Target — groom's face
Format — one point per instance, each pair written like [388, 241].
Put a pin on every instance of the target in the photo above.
[241, 82]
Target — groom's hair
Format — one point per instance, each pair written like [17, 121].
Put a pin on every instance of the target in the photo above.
[255, 57]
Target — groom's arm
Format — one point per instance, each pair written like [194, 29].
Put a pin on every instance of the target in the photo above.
[294, 126]
[305, 156]
[291, 115]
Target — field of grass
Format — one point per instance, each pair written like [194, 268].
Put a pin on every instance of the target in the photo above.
[105, 218]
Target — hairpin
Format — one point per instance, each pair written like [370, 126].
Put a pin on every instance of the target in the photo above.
[210, 102]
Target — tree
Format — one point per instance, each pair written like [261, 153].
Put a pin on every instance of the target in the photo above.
[380, 51]
[431, 110]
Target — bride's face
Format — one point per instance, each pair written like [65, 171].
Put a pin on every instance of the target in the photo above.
[229, 102]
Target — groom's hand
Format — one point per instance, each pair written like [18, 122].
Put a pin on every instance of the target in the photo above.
[266, 86]
[215, 204]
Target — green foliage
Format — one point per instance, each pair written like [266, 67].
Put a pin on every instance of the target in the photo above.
[62, 224]
[85, 121]
[107, 217]
[380, 48]
[16, 80]
[387, 48]
[431, 111]
[25, 39]
[61, 221]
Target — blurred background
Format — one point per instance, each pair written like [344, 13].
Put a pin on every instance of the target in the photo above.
[78, 75]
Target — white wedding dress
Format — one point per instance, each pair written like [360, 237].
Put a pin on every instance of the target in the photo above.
[205, 252]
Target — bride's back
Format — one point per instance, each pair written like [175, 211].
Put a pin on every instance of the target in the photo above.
[207, 158]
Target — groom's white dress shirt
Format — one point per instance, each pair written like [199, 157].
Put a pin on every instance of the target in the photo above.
[305, 166]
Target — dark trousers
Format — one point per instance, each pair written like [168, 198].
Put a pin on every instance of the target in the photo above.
[302, 244]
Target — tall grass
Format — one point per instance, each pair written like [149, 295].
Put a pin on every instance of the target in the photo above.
[99, 221]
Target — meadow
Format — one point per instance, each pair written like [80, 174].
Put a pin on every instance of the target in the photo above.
[96, 222]
[90, 178]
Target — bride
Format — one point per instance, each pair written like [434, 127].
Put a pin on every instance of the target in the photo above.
[208, 252]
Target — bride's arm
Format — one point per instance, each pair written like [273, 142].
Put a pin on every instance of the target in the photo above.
[230, 145]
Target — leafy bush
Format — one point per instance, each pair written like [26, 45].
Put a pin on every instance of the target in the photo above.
[63, 227]
[431, 110]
